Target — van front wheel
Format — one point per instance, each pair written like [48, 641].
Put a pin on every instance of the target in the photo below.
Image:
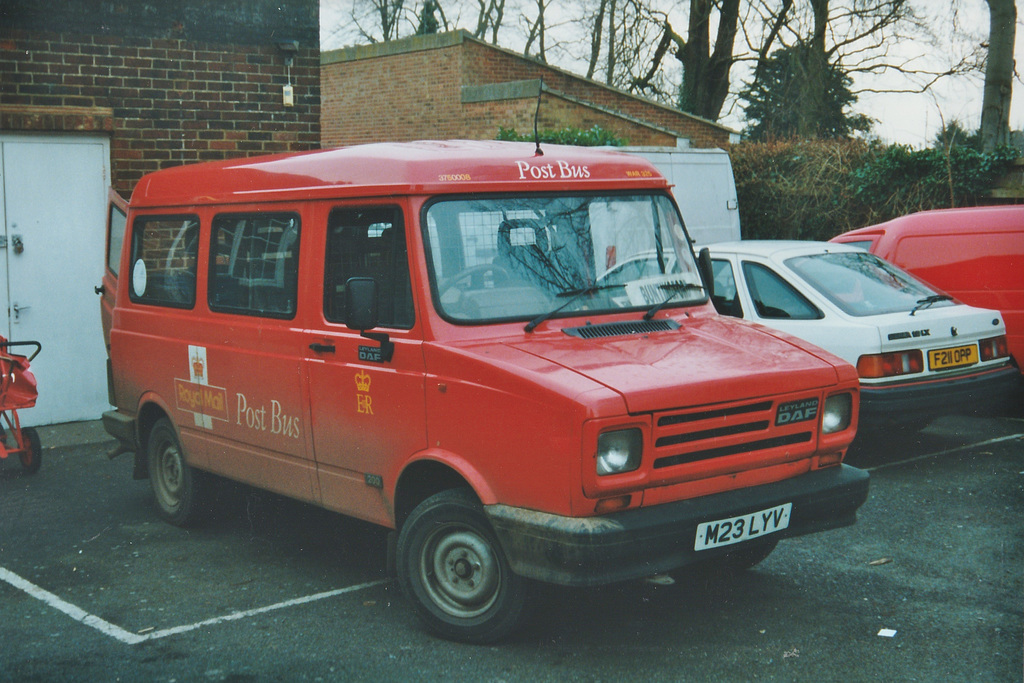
[177, 488]
[452, 568]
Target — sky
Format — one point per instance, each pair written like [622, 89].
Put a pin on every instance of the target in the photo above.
[911, 119]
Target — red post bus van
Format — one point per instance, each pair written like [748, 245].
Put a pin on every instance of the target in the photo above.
[974, 254]
[418, 335]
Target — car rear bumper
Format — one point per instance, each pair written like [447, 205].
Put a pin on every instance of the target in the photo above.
[982, 392]
[587, 551]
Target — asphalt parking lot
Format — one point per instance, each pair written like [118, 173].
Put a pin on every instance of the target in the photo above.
[927, 586]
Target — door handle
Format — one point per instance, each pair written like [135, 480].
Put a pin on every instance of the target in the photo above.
[18, 310]
[322, 348]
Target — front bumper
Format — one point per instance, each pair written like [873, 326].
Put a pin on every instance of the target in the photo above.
[589, 551]
[987, 391]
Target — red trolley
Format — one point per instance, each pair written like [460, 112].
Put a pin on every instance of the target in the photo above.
[17, 392]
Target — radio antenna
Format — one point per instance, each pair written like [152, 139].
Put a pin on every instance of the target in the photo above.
[536, 115]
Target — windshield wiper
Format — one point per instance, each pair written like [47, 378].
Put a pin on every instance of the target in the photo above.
[573, 294]
[929, 300]
[676, 287]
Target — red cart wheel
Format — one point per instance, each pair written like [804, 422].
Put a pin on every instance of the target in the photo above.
[32, 456]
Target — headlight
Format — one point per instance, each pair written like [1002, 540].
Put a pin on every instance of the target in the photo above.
[619, 451]
[837, 414]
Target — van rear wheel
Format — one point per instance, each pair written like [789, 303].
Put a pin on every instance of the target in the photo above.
[452, 568]
[177, 488]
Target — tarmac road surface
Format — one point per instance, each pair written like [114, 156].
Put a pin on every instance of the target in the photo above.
[927, 586]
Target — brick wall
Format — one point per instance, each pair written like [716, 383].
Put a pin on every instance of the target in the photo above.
[166, 85]
[415, 88]
[409, 95]
[613, 109]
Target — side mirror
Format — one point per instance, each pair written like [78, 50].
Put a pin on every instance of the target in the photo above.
[707, 272]
[361, 313]
[361, 303]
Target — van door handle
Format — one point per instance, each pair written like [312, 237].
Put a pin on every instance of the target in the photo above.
[18, 310]
[322, 348]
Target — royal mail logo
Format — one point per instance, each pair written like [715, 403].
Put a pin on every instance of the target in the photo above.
[201, 399]
[362, 381]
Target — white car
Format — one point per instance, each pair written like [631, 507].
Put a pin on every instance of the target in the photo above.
[920, 353]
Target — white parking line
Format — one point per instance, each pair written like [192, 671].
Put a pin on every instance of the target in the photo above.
[1000, 439]
[118, 633]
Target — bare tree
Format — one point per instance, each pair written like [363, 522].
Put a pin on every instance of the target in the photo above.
[995, 105]
[536, 33]
[706, 67]
[596, 33]
[490, 15]
[377, 20]
[627, 46]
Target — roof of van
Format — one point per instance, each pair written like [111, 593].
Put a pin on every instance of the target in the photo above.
[381, 169]
[938, 221]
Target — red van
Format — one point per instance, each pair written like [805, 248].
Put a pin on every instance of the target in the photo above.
[418, 335]
[974, 254]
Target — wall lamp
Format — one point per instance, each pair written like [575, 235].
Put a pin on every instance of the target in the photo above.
[288, 48]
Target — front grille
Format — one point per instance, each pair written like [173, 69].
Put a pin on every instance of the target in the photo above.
[746, 447]
[712, 433]
[717, 412]
[684, 437]
[621, 329]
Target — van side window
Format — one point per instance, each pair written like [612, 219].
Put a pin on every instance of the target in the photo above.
[115, 238]
[774, 297]
[726, 298]
[369, 242]
[254, 264]
[164, 250]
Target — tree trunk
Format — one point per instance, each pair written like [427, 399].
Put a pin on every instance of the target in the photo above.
[706, 73]
[995, 104]
[815, 65]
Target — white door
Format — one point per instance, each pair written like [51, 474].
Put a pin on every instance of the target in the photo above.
[53, 206]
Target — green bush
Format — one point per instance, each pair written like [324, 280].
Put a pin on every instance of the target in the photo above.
[901, 180]
[819, 189]
[592, 137]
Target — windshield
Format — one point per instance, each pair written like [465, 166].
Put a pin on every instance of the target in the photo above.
[863, 284]
[530, 257]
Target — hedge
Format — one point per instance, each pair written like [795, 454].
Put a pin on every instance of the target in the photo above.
[819, 189]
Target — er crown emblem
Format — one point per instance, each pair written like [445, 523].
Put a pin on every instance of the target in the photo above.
[362, 381]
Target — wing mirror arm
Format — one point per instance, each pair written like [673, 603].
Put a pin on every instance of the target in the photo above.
[361, 312]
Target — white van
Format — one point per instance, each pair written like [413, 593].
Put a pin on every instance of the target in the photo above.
[703, 186]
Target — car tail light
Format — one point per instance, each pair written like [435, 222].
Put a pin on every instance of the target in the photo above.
[994, 347]
[890, 364]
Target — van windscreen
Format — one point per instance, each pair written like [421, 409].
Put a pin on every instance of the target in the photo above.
[518, 257]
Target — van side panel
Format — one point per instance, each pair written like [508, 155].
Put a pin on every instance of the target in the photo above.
[261, 433]
[983, 269]
[230, 378]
